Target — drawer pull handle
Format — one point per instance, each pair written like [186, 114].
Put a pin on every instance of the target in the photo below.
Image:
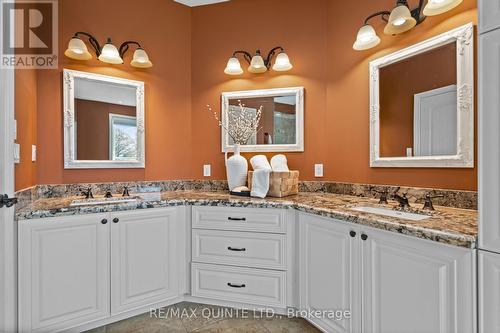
[236, 285]
[236, 249]
[237, 218]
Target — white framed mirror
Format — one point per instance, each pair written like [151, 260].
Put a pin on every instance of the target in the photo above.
[282, 120]
[422, 104]
[103, 121]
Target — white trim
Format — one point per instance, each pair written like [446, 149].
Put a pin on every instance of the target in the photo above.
[299, 111]
[464, 158]
[8, 227]
[70, 161]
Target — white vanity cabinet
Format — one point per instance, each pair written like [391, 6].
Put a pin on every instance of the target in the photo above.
[489, 15]
[143, 258]
[389, 282]
[415, 285]
[64, 272]
[75, 270]
[243, 256]
[328, 274]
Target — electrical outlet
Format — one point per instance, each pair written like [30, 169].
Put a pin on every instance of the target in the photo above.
[318, 170]
[207, 170]
[17, 153]
[33, 153]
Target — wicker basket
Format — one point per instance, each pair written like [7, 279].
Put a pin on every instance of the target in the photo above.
[281, 184]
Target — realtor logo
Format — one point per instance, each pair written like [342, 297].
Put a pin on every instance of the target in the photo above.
[29, 34]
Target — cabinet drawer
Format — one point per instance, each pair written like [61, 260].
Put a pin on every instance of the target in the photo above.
[236, 284]
[239, 248]
[240, 219]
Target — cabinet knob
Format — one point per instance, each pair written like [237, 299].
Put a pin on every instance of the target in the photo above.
[364, 237]
[116, 220]
[352, 233]
[104, 221]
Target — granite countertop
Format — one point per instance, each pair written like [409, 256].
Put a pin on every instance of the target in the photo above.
[446, 225]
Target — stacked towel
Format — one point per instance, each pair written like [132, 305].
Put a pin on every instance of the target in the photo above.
[279, 163]
[262, 169]
[260, 180]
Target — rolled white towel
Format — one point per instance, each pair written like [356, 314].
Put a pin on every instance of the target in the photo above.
[260, 162]
[279, 163]
[260, 183]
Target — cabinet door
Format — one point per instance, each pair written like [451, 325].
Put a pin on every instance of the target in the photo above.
[412, 285]
[489, 15]
[143, 258]
[328, 272]
[63, 272]
[489, 140]
[489, 292]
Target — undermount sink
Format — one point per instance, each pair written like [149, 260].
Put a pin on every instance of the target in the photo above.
[102, 201]
[391, 213]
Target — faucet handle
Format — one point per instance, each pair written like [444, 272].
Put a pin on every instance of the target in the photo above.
[428, 201]
[125, 192]
[87, 193]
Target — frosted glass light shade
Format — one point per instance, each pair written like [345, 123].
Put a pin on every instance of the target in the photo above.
[233, 67]
[366, 38]
[282, 63]
[436, 7]
[400, 21]
[141, 59]
[257, 65]
[109, 54]
[77, 50]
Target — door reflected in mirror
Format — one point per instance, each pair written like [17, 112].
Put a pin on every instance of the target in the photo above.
[418, 105]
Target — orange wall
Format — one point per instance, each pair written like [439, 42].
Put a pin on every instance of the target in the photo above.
[399, 82]
[190, 48]
[25, 113]
[318, 36]
[163, 29]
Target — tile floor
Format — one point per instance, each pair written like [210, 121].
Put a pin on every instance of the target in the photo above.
[191, 317]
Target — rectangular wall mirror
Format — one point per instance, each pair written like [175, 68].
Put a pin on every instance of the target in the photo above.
[282, 120]
[422, 108]
[103, 121]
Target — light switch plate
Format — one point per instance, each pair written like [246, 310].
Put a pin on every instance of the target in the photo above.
[318, 170]
[207, 170]
[17, 153]
[33, 153]
[15, 129]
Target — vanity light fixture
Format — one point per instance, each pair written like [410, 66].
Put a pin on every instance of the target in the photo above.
[400, 19]
[257, 64]
[108, 53]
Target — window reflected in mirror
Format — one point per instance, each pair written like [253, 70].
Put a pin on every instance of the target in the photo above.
[418, 104]
[278, 119]
[105, 121]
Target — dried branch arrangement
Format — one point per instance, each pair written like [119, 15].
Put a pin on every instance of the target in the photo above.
[241, 123]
